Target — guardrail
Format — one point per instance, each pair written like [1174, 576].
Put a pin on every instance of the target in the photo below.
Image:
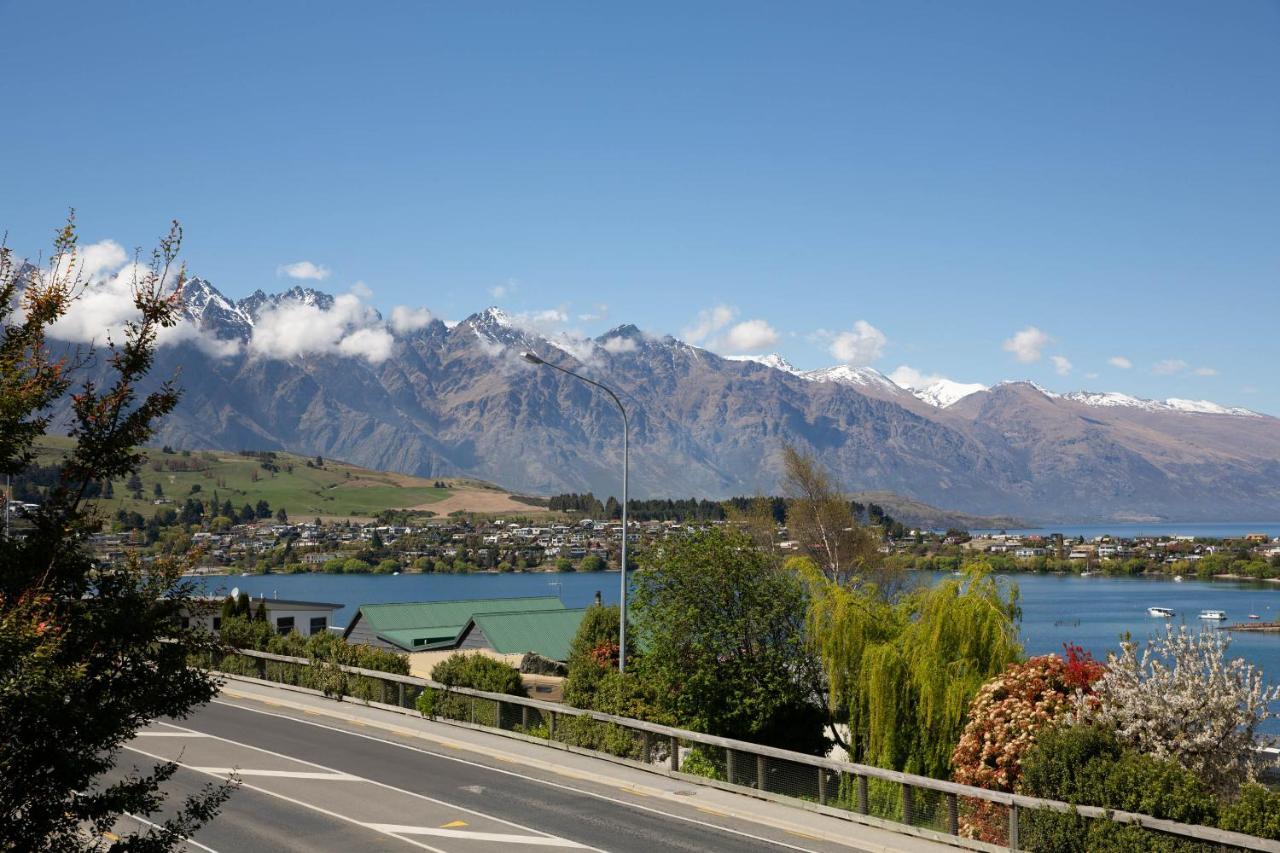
[902, 802]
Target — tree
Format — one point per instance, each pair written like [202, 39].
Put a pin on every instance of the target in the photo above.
[246, 514]
[262, 510]
[1182, 700]
[821, 520]
[592, 563]
[902, 673]
[722, 626]
[82, 667]
[375, 541]
[134, 484]
[282, 516]
[158, 490]
[319, 461]
[479, 672]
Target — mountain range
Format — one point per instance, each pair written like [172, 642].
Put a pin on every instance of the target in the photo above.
[457, 399]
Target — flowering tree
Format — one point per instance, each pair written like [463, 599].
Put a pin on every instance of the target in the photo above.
[1004, 719]
[1181, 699]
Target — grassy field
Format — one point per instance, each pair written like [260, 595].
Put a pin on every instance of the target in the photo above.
[333, 490]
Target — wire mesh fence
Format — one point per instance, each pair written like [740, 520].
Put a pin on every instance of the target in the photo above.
[961, 814]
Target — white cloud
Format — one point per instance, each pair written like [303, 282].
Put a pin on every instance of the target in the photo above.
[600, 312]
[405, 319]
[304, 270]
[1091, 375]
[709, 322]
[105, 304]
[619, 344]
[750, 336]
[1205, 371]
[1120, 362]
[507, 288]
[1026, 345]
[909, 377]
[861, 346]
[293, 329]
[1061, 365]
[1169, 366]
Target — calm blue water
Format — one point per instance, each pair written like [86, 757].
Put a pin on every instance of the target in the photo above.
[1093, 612]
[1212, 530]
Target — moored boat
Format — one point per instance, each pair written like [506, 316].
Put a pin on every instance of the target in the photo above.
[1162, 612]
[1215, 615]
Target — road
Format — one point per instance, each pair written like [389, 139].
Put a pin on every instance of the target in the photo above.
[312, 784]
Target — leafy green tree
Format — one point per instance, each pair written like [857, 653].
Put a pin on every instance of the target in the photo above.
[82, 667]
[282, 516]
[262, 510]
[722, 628]
[355, 567]
[592, 563]
[564, 564]
[158, 490]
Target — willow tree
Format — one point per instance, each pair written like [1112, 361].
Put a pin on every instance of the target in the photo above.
[902, 673]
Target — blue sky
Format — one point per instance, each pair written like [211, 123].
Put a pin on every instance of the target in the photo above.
[902, 184]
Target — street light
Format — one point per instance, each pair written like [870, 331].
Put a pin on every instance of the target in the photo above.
[534, 358]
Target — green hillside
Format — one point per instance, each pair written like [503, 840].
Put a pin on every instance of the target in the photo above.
[296, 483]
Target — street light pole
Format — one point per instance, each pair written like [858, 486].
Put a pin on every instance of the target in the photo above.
[534, 358]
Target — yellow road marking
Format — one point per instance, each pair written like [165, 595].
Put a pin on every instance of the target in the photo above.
[803, 835]
[453, 824]
[711, 811]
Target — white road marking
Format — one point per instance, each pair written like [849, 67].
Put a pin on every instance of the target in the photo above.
[335, 776]
[187, 840]
[170, 734]
[537, 835]
[504, 837]
[304, 805]
[527, 778]
[371, 781]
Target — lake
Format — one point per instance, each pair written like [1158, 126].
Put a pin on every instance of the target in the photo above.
[1093, 612]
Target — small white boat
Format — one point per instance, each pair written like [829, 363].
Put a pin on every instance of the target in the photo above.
[1215, 615]
[1254, 616]
[1161, 612]
[1177, 578]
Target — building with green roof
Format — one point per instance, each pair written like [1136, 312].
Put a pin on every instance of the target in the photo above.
[433, 625]
[545, 632]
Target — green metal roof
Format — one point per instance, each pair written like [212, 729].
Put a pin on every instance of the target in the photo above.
[547, 632]
[423, 640]
[425, 625]
[440, 614]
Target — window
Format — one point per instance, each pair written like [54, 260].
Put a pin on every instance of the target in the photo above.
[284, 624]
[319, 624]
[217, 623]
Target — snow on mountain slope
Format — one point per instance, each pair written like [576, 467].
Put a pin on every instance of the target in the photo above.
[946, 392]
[773, 359]
[1173, 404]
[865, 377]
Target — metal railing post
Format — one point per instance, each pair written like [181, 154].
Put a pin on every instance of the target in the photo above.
[551, 726]
[822, 786]
[728, 765]
[400, 696]
[524, 718]
[473, 710]
[646, 746]
[760, 772]
[908, 804]
[863, 805]
[953, 814]
[674, 758]
[1013, 827]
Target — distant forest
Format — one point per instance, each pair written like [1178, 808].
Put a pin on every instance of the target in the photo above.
[694, 509]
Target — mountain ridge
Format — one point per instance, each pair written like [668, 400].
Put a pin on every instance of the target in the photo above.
[439, 399]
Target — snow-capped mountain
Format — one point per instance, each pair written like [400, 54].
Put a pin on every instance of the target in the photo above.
[773, 359]
[460, 400]
[1111, 399]
[946, 392]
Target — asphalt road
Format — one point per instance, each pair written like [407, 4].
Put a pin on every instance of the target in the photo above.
[312, 787]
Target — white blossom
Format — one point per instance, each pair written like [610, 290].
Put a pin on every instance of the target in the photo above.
[1183, 700]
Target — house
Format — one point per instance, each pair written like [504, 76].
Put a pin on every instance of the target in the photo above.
[285, 615]
[502, 628]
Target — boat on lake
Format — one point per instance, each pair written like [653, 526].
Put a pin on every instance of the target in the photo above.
[1161, 612]
[1177, 578]
[1215, 615]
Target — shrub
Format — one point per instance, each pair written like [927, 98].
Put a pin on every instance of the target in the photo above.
[1088, 765]
[1256, 811]
[479, 672]
[1004, 719]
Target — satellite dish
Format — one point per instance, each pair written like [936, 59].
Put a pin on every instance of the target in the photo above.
[235, 592]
